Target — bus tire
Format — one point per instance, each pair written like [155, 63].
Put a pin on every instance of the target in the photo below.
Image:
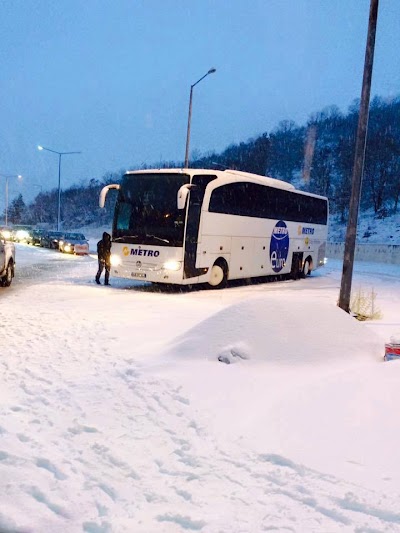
[297, 266]
[307, 267]
[219, 275]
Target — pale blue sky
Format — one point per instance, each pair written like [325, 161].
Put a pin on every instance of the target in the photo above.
[111, 78]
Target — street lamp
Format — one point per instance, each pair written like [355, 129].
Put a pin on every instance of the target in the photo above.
[211, 71]
[59, 178]
[7, 176]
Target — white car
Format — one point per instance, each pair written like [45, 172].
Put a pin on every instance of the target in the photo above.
[74, 243]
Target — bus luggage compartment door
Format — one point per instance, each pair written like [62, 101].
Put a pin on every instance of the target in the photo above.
[241, 258]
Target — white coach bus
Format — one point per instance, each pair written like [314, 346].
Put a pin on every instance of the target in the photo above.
[188, 226]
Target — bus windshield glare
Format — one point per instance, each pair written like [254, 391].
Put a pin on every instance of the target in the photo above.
[146, 210]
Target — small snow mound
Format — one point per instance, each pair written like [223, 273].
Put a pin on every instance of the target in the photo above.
[233, 354]
[275, 329]
[395, 339]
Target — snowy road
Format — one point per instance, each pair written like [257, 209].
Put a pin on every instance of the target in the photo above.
[116, 416]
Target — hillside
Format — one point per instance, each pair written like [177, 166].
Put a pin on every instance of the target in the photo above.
[370, 229]
[317, 157]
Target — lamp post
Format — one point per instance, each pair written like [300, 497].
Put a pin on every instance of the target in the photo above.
[59, 178]
[7, 176]
[211, 71]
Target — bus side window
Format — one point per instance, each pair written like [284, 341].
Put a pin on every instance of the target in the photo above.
[217, 202]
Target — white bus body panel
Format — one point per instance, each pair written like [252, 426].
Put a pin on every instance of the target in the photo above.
[146, 263]
[246, 256]
[244, 242]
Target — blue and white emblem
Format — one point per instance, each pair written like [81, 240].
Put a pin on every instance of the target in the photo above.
[279, 247]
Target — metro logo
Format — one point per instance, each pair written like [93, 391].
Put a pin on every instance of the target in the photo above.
[279, 247]
[148, 253]
[305, 231]
[308, 231]
[280, 230]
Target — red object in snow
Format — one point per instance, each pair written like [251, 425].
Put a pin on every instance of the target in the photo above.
[392, 351]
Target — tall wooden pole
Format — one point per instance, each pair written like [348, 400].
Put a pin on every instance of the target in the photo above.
[359, 157]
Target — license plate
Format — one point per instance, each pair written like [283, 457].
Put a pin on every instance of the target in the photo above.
[138, 274]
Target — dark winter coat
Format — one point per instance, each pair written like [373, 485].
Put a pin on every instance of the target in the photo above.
[104, 248]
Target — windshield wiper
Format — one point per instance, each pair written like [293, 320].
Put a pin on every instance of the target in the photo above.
[125, 238]
[157, 238]
[148, 235]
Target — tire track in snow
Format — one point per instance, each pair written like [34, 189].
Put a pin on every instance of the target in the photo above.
[115, 450]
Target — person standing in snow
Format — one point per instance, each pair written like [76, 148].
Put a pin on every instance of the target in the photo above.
[104, 256]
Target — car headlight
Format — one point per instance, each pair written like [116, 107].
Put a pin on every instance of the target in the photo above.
[67, 247]
[22, 234]
[115, 260]
[172, 265]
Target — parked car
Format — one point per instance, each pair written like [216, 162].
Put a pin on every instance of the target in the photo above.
[5, 233]
[36, 236]
[7, 262]
[74, 243]
[21, 233]
[50, 239]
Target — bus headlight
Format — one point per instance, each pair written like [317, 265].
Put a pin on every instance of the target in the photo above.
[115, 260]
[172, 265]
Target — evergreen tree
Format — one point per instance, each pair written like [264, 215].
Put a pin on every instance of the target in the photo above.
[17, 211]
[286, 151]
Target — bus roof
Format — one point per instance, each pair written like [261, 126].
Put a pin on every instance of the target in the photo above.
[227, 176]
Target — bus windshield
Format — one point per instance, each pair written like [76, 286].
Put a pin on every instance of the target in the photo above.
[146, 210]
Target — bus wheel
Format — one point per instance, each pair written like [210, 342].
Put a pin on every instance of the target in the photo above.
[306, 268]
[219, 275]
[296, 271]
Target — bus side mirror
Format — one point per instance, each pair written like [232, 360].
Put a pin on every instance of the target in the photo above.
[183, 193]
[104, 191]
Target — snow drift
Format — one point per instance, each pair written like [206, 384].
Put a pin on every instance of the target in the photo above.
[273, 330]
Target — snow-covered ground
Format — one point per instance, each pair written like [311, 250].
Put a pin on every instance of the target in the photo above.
[116, 414]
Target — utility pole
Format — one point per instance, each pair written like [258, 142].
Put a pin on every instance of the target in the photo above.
[359, 157]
